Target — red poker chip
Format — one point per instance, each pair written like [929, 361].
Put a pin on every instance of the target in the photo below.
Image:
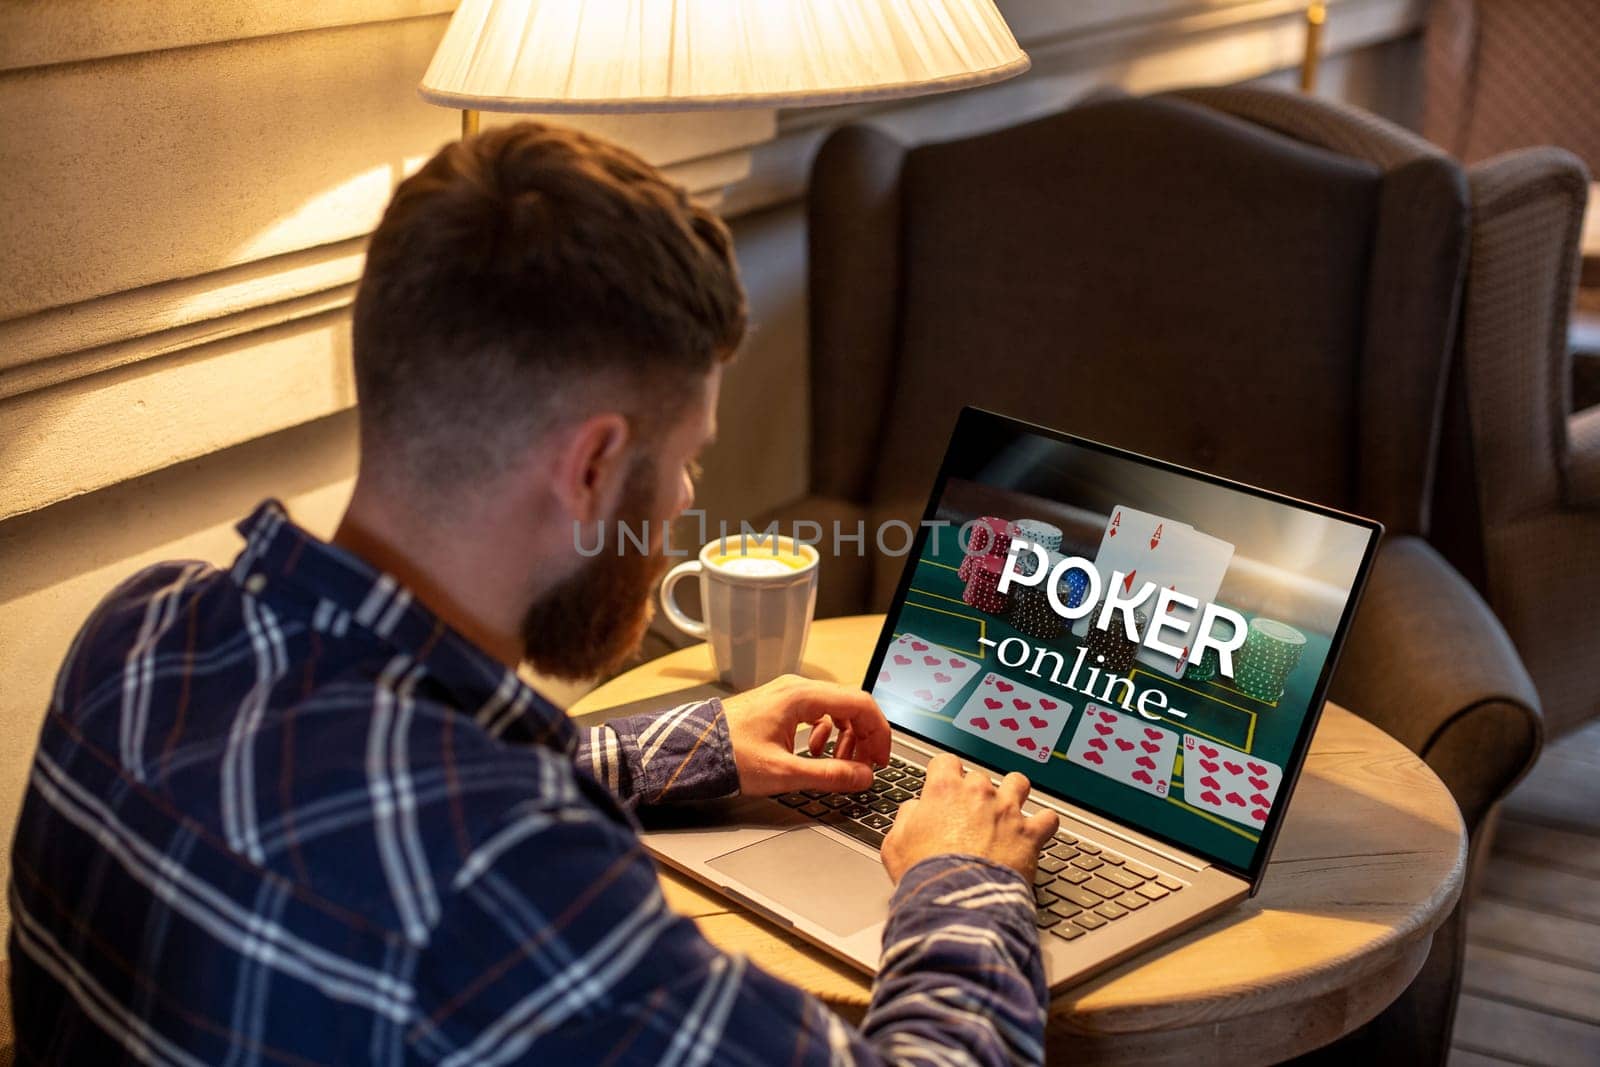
[991, 536]
[981, 591]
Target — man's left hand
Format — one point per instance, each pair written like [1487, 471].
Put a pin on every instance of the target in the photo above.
[762, 724]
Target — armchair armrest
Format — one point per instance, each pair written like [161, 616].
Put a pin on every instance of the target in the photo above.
[1429, 663]
[1583, 459]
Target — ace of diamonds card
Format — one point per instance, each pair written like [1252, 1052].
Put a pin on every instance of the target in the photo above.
[1020, 719]
[1132, 544]
[1125, 748]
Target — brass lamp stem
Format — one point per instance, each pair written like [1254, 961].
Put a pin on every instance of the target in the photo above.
[469, 123]
[1316, 15]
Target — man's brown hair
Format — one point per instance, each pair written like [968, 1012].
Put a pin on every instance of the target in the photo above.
[517, 272]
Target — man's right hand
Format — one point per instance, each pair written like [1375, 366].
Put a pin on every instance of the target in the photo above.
[961, 811]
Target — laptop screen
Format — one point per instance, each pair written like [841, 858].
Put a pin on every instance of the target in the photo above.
[1144, 641]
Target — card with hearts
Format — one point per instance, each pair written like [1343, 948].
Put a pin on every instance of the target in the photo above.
[1018, 718]
[922, 672]
[1125, 748]
[1230, 783]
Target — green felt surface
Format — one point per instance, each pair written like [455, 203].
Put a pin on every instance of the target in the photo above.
[934, 610]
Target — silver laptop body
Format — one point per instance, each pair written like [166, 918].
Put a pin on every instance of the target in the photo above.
[1106, 888]
[830, 888]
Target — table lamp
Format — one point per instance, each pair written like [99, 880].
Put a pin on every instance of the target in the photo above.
[573, 56]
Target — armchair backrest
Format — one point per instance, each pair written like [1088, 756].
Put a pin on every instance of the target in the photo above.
[1508, 74]
[1149, 272]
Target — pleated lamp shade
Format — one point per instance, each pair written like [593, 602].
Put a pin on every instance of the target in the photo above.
[682, 55]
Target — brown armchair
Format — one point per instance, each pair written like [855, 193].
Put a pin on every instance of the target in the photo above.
[1517, 506]
[1240, 280]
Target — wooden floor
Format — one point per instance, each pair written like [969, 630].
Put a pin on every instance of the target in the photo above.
[1531, 993]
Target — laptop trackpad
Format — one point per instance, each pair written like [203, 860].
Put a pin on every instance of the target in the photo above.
[813, 875]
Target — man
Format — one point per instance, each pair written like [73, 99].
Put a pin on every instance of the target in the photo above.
[304, 811]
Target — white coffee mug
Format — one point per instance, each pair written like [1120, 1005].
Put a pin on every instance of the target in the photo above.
[758, 595]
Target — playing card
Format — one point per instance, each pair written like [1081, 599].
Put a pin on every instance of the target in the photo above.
[921, 672]
[1231, 783]
[1018, 718]
[1133, 543]
[1191, 563]
[1125, 748]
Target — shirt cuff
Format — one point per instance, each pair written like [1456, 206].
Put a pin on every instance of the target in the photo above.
[684, 754]
[964, 884]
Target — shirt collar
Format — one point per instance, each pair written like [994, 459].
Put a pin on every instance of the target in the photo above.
[336, 591]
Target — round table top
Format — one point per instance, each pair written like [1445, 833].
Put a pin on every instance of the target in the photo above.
[1369, 862]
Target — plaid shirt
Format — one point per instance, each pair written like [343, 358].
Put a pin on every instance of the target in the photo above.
[283, 815]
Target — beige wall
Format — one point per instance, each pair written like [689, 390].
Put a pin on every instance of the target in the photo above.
[188, 188]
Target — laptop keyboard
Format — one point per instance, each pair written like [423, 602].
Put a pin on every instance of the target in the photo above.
[1080, 885]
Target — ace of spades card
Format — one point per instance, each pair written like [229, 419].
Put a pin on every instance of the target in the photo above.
[1134, 542]
[1125, 748]
[1233, 784]
[921, 672]
[1020, 719]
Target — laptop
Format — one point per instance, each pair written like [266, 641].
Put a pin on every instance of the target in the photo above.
[1150, 645]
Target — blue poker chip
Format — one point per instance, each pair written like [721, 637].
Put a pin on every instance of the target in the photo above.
[1077, 587]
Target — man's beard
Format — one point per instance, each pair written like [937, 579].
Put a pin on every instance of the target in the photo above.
[592, 622]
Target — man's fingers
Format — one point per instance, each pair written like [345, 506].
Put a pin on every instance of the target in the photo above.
[845, 748]
[867, 722]
[834, 775]
[944, 766]
[1014, 788]
[1043, 824]
[848, 708]
[819, 735]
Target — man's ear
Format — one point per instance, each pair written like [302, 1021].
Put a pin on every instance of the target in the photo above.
[591, 466]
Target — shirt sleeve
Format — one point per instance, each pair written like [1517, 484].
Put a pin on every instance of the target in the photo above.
[556, 946]
[673, 756]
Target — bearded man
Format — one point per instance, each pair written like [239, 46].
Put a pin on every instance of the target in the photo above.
[304, 810]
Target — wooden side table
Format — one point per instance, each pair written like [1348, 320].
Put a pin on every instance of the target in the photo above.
[1369, 862]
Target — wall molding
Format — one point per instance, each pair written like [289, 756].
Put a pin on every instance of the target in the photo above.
[204, 178]
[77, 31]
[102, 333]
[98, 431]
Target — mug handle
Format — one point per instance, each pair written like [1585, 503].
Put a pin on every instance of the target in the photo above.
[669, 606]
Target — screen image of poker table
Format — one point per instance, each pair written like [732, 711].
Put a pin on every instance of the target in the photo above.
[933, 609]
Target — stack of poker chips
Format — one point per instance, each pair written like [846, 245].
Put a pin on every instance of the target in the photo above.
[983, 585]
[1030, 604]
[1042, 534]
[1206, 668]
[989, 539]
[1031, 612]
[1203, 669]
[1110, 649]
[1269, 655]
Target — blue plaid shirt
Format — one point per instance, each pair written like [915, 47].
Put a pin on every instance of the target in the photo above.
[284, 815]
